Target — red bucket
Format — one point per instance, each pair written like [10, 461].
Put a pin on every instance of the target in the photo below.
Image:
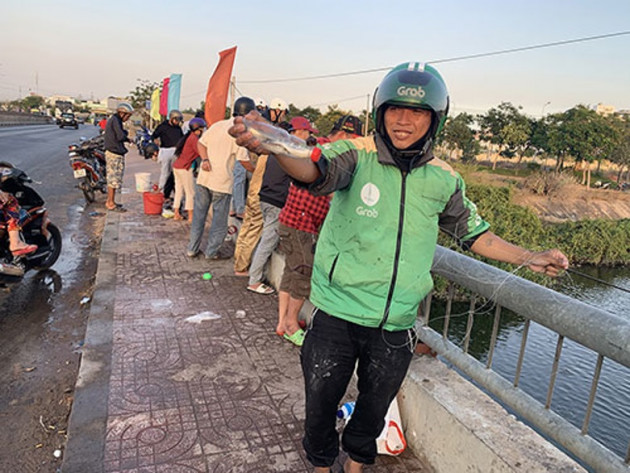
[153, 202]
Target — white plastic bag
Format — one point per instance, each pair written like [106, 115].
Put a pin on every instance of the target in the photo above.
[391, 441]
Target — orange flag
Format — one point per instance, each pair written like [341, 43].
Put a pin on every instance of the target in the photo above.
[218, 86]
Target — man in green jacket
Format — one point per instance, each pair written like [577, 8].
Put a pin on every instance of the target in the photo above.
[374, 254]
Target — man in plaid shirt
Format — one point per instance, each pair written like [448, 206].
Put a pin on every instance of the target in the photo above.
[300, 221]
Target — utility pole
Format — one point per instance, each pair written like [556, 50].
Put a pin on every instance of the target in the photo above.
[542, 112]
[232, 93]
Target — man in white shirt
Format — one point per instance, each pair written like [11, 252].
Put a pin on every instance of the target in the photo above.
[218, 152]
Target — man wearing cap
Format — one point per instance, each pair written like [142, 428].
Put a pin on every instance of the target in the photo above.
[374, 255]
[347, 126]
[300, 221]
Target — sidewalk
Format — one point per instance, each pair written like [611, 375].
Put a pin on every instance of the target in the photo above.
[159, 391]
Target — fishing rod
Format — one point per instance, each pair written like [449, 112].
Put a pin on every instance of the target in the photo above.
[592, 278]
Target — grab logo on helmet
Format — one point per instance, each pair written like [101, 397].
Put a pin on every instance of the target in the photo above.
[411, 91]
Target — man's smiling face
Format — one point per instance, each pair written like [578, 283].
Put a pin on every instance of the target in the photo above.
[405, 125]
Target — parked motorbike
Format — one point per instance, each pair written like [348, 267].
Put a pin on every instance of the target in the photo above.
[37, 229]
[142, 139]
[88, 164]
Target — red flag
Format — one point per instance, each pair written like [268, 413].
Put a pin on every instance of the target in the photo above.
[164, 97]
[218, 86]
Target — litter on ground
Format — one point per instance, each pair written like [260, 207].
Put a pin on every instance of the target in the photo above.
[197, 319]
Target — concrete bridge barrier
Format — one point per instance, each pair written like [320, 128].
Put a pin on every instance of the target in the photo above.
[21, 118]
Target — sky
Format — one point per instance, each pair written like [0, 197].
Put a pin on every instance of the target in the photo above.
[93, 50]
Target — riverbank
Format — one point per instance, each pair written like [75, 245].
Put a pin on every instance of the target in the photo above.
[572, 203]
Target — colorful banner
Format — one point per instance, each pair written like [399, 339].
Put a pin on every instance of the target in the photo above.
[164, 97]
[218, 87]
[174, 88]
[155, 105]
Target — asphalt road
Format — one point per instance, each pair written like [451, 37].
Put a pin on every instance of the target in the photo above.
[42, 317]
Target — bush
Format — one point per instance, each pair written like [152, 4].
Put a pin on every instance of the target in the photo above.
[597, 242]
[516, 224]
[547, 183]
[532, 166]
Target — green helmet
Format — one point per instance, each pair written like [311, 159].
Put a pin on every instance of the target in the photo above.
[412, 84]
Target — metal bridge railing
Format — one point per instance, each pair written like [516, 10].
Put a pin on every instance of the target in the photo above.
[598, 330]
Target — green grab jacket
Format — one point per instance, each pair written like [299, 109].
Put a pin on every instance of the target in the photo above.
[375, 249]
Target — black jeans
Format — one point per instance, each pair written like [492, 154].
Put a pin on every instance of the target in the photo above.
[169, 187]
[329, 355]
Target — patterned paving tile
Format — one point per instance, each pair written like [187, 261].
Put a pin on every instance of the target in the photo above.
[222, 395]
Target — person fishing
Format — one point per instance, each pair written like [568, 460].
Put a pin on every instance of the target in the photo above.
[374, 254]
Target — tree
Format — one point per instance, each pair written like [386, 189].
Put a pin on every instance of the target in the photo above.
[323, 122]
[367, 119]
[539, 138]
[311, 114]
[32, 101]
[555, 142]
[508, 128]
[620, 154]
[586, 136]
[459, 135]
[142, 94]
[194, 111]
[326, 121]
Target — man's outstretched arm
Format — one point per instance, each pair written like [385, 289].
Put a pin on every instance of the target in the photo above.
[304, 170]
[549, 262]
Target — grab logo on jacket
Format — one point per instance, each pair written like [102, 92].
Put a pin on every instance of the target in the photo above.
[370, 195]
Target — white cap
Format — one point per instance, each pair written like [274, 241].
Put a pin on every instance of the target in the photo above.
[260, 102]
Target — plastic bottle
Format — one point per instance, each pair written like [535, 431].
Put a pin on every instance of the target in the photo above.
[277, 141]
[346, 410]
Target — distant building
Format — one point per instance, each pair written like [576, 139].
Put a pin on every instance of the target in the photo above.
[53, 99]
[604, 110]
[112, 103]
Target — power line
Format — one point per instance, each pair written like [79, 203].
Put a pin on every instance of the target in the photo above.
[238, 90]
[348, 99]
[537, 46]
[328, 76]
[438, 61]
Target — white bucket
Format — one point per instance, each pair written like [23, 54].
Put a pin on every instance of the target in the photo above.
[143, 181]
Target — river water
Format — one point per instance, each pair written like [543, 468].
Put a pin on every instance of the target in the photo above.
[610, 419]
